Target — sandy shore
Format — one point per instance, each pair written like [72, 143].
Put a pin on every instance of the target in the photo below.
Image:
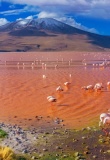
[24, 139]
[57, 142]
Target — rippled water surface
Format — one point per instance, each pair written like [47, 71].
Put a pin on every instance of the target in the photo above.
[23, 93]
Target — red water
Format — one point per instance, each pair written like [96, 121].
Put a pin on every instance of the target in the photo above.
[23, 92]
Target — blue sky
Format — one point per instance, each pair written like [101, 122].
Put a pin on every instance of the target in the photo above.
[90, 15]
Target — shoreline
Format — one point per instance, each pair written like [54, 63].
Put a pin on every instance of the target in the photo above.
[57, 141]
[32, 123]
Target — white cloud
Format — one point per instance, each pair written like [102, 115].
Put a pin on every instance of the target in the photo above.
[19, 11]
[68, 20]
[44, 14]
[93, 8]
[19, 19]
[39, 2]
[3, 21]
[29, 17]
[12, 12]
[58, 9]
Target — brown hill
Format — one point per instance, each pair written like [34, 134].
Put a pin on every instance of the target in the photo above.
[49, 35]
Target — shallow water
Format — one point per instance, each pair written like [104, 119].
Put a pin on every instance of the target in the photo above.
[23, 93]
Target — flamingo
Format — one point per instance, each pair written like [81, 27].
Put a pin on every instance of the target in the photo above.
[98, 87]
[67, 83]
[51, 99]
[59, 89]
[23, 65]
[106, 121]
[32, 65]
[103, 116]
[56, 66]
[108, 84]
[70, 75]
[89, 87]
[101, 64]
[43, 65]
[85, 64]
[44, 76]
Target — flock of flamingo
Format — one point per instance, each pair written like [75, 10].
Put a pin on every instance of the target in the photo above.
[97, 87]
[58, 89]
[104, 117]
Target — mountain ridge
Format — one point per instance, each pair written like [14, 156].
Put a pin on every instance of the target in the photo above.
[50, 35]
[41, 23]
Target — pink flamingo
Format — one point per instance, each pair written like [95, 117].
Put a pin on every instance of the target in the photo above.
[67, 83]
[59, 89]
[44, 76]
[98, 87]
[89, 87]
[103, 116]
[105, 119]
[51, 99]
[108, 84]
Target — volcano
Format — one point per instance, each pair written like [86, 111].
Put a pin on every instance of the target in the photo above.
[47, 34]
